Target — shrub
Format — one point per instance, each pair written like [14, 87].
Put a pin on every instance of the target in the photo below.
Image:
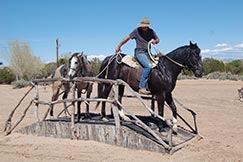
[20, 83]
[6, 76]
[223, 76]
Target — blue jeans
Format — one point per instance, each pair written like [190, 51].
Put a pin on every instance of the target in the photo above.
[142, 57]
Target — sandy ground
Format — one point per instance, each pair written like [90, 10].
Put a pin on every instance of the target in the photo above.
[216, 103]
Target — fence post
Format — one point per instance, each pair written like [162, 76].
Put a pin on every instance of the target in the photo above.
[115, 113]
[73, 113]
[37, 98]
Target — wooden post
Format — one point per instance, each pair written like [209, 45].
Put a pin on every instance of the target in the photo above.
[73, 113]
[115, 113]
[37, 103]
[57, 55]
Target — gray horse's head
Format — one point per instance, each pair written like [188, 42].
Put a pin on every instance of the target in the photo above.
[75, 65]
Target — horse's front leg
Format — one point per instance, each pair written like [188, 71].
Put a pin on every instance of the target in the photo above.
[160, 102]
[169, 100]
[153, 102]
[88, 94]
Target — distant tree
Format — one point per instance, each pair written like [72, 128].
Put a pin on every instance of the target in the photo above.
[95, 63]
[235, 67]
[22, 62]
[211, 65]
[64, 58]
[48, 69]
[6, 75]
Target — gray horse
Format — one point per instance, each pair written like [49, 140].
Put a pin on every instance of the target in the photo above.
[78, 66]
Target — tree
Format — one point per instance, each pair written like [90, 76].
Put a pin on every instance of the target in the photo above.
[95, 63]
[235, 67]
[211, 65]
[22, 62]
[6, 76]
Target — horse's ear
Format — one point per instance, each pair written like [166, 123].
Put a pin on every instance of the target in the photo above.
[80, 54]
[191, 44]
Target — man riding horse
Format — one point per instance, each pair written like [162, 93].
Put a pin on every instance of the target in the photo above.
[143, 35]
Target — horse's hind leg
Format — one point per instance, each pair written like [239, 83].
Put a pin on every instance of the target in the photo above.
[105, 95]
[65, 95]
[55, 94]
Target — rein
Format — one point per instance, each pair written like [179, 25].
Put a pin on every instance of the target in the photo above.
[158, 51]
[115, 56]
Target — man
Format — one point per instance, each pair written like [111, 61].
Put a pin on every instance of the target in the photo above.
[143, 35]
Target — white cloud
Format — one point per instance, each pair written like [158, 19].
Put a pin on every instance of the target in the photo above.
[101, 57]
[208, 51]
[239, 45]
[221, 45]
[224, 51]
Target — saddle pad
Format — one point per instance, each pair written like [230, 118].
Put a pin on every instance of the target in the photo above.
[132, 62]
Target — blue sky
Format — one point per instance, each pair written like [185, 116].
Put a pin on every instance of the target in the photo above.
[97, 26]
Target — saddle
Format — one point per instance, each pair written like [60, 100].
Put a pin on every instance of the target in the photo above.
[133, 62]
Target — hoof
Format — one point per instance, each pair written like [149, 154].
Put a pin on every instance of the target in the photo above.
[164, 132]
[153, 126]
[104, 119]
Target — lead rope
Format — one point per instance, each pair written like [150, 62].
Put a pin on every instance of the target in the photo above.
[116, 56]
[158, 51]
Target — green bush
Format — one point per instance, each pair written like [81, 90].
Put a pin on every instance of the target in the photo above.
[6, 76]
[235, 67]
[212, 65]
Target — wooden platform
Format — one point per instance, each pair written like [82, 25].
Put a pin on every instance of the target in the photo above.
[130, 134]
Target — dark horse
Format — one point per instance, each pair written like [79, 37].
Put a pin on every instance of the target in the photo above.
[78, 66]
[162, 78]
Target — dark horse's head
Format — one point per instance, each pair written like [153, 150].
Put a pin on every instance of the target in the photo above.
[190, 58]
[194, 61]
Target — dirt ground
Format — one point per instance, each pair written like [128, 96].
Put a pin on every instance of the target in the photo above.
[219, 115]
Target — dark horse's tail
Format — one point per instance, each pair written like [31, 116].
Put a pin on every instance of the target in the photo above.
[102, 74]
[99, 91]
[108, 70]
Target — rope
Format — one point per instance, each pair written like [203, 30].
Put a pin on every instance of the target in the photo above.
[158, 51]
[115, 56]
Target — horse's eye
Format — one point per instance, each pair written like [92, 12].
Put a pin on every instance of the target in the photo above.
[76, 62]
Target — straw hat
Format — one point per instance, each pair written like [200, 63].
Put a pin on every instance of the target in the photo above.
[144, 23]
